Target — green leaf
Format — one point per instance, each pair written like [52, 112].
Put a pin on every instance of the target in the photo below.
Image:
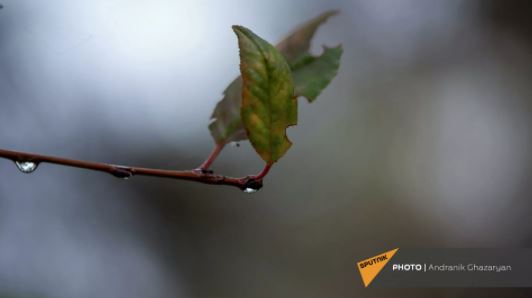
[312, 74]
[268, 102]
[298, 43]
[226, 125]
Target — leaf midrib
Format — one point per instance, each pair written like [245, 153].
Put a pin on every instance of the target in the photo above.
[269, 79]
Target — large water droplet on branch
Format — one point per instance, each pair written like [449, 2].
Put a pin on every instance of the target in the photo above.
[252, 186]
[26, 167]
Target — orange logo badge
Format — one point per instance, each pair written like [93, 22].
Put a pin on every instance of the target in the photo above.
[369, 268]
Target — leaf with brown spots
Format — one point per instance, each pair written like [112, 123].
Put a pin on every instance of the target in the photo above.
[226, 125]
[268, 102]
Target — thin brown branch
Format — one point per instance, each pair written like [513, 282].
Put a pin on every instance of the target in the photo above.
[248, 184]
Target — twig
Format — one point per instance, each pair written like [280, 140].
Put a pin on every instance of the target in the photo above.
[248, 183]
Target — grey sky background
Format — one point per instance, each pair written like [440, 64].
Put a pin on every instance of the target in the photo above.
[423, 140]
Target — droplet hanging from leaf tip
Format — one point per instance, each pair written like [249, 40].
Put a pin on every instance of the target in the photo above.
[26, 167]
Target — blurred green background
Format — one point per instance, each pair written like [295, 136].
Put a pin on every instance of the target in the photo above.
[422, 140]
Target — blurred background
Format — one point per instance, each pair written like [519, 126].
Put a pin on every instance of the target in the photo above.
[423, 140]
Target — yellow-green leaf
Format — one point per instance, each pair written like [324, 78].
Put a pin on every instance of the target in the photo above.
[226, 125]
[268, 102]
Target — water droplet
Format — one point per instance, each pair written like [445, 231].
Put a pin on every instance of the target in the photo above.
[235, 144]
[26, 167]
[122, 173]
[252, 186]
[204, 171]
[250, 190]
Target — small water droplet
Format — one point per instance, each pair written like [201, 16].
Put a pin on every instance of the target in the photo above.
[204, 171]
[235, 144]
[122, 173]
[250, 190]
[26, 167]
